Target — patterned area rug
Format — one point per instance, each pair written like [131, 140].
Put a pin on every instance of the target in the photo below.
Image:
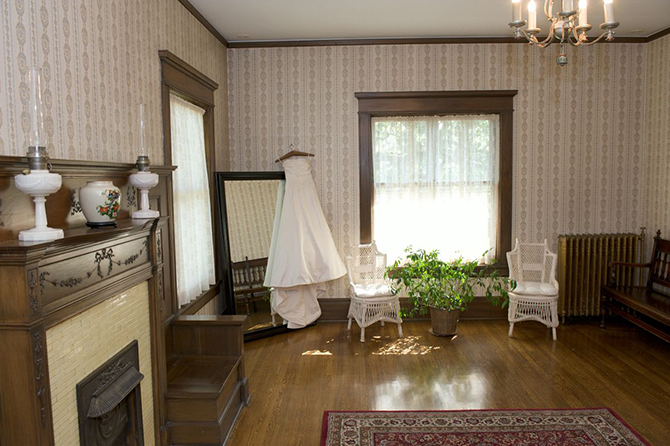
[561, 427]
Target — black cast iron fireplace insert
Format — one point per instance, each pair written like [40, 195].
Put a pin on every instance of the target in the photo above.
[110, 404]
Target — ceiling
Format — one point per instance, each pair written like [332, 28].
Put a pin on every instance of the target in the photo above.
[267, 20]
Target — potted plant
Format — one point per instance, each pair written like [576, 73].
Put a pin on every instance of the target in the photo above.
[445, 288]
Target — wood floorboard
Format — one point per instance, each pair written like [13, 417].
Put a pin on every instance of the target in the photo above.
[295, 377]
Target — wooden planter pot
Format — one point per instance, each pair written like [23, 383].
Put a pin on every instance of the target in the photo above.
[444, 322]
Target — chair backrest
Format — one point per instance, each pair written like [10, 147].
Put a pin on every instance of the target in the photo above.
[249, 273]
[366, 265]
[532, 262]
[659, 272]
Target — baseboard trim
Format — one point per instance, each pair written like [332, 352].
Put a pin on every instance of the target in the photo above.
[336, 309]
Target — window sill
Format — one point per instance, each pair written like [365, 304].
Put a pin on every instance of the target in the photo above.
[502, 268]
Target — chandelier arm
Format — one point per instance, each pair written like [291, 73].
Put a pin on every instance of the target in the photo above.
[528, 37]
[595, 41]
[573, 34]
[545, 43]
[549, 9]
[531, 38]
[548, 41]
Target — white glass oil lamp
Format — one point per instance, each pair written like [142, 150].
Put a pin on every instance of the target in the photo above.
[143, 179]
[38, 182]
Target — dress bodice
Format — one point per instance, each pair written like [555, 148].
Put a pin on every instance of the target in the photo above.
[297, 170]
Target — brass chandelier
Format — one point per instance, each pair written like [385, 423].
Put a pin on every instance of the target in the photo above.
[568, 25]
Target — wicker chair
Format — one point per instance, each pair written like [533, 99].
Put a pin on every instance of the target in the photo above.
[371, 297]
[535, 298]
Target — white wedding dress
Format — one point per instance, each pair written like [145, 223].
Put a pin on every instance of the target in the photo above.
[302, 253]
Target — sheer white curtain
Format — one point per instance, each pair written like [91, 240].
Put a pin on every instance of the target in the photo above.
[436, 184]
[192, 213]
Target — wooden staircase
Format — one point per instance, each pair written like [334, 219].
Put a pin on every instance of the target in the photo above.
[207, 385]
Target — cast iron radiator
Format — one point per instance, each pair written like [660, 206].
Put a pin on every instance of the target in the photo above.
[583, 261]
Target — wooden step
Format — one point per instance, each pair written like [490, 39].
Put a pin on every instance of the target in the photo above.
[204, 397]
[210, 433]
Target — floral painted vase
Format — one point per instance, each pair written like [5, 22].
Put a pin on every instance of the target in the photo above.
[100, 201]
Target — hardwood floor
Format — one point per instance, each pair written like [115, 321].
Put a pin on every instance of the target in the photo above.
[296, 376]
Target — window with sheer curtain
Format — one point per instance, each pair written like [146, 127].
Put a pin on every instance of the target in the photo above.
[192, 217]
[436, 184]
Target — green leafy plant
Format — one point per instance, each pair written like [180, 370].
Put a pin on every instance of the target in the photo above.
[431, 282]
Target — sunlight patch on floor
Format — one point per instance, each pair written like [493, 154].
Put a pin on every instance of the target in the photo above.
[260, 326]
[408, 345]
[321, 352]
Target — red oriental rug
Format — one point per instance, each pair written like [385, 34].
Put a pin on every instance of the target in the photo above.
[556, 427]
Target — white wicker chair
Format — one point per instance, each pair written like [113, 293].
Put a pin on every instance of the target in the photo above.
[535, 297]
[371, 297]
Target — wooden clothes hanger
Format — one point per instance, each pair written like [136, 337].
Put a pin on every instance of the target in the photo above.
[292, 153]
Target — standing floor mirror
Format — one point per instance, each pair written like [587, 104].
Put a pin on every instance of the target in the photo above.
[247, 204]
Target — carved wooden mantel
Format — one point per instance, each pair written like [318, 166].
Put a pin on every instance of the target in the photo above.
[44, 284]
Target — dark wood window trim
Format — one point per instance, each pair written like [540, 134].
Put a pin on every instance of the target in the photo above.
[181, 79]
[432, 103]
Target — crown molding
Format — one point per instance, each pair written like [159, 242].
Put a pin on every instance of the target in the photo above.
[658, 35]
[374, 41]
[195, 13]
[399, 41]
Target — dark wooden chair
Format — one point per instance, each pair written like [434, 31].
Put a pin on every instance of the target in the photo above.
[248, 277]
[646, 306]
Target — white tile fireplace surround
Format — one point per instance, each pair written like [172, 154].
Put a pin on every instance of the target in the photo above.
[79, 345]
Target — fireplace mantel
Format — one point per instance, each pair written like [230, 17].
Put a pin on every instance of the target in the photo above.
[44, 284]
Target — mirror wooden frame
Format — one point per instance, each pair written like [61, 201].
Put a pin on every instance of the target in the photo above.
[224, 262]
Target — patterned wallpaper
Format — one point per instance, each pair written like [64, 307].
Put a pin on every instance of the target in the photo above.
[657, 206]
[578, 131]
[99, 60]
[251, 215]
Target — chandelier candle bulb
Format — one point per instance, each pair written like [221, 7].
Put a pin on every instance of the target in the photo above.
[516, 10]
[532, 15]
[566, 5]
[609, 11]
[583, 13]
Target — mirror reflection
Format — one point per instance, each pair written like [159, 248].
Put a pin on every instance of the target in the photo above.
[250, 208]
